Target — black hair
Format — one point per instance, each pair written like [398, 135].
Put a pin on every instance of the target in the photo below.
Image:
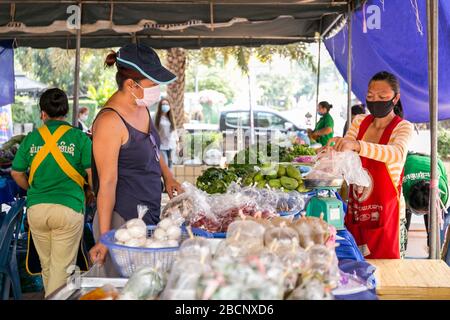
[393, 82]
[419, 196]
[54, 102]
[326, 105]
[358, 109]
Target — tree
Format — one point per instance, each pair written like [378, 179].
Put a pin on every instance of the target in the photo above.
[176, 62]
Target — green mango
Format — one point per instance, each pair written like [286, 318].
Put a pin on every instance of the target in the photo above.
[261, 184]
[271, 176]
[292, 172]
[258, 177]
[289, 183]
[248, 181]
[269, 169]
[275, 183]
[281, 171]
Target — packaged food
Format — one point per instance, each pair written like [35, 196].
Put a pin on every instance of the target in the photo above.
[107, 292]
[134, 232]
[146, 283]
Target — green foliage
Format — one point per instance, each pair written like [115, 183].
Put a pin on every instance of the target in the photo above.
[444, 143]
[197, 144]
[102, 93]
[55, 68]
[26, 110]
[276, 90]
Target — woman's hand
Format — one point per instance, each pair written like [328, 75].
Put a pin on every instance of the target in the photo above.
[98, 253]
[344, 144]
[173, 186]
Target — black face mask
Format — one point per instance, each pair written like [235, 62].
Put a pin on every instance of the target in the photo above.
[380, 109]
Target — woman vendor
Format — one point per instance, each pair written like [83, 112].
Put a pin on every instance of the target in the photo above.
[376, 215]
[324, 128]
[127, 166]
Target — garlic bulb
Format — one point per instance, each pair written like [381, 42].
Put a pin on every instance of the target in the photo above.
[173, 233]
[155, 244]
[135, 242]
[136, 222]
[172, 243]
[159, 234]
[122, 235]
[165, 223]
[137, 231]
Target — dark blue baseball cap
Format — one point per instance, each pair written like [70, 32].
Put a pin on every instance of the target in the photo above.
[144, 60]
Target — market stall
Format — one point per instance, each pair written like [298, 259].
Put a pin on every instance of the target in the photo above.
[263, 230]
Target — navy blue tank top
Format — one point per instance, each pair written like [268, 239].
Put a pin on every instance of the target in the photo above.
[139, 174]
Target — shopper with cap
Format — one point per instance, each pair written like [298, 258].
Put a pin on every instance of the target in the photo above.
[127, 165]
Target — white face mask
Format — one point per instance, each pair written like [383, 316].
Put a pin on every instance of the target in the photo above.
[151, 96]
[84, 117]
[165, 108]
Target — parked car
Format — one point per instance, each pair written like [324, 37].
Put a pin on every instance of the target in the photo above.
[266, 122]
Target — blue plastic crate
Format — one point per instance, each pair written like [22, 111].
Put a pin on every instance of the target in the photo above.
[205, 234]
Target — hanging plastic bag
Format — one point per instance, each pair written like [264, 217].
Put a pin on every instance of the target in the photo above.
[332, 164]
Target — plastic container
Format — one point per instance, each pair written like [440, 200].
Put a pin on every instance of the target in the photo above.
[127, 259]
[205, 234]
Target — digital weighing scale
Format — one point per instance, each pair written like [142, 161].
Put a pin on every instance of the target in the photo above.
[325, 202]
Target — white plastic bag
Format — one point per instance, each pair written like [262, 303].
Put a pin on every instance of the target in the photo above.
[332, 164]
[134, 232]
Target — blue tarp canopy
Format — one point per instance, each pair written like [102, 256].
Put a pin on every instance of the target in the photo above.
[398, 46]
[6, 73]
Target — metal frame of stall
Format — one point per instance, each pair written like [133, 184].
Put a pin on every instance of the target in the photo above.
[433, 45]
[432, 15]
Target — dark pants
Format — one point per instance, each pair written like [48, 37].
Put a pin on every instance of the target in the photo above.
[425, 219]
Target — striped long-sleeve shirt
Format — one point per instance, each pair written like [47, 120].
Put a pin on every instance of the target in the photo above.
[393, 154]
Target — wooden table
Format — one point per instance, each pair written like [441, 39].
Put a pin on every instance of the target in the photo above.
[412, 279]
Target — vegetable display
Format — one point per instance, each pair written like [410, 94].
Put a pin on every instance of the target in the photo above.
[9, 149]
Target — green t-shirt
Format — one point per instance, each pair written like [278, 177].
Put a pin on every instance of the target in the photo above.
[326, 121]
[50, 184]
[417, 167]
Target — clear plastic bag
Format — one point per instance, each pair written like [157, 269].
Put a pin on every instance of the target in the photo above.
[146, 283]
[312, 230]
[281, 239]
[134, 232]
[347, 164]
[196, 248]
[194, 206]
[184, 279]
[243, 238]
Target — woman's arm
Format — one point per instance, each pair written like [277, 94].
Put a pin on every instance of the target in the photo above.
[171, 184]
[395, 151]
[323, 132]
[107, 140]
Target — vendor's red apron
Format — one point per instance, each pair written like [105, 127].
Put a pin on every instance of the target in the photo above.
[373, 215]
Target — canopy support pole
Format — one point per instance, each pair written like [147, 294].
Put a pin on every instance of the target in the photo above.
[250, 98]
[433, 17]
[318, 78]
[349, 64]
[76, 84]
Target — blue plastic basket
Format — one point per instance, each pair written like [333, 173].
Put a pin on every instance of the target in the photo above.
[287, 214]
[127, 259]
[205, 234]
